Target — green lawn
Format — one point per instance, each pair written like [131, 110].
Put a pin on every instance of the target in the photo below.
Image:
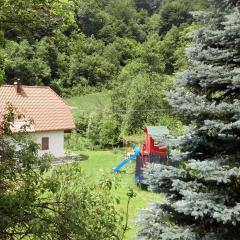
[96, 162]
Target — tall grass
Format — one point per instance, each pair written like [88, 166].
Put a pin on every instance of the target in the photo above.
[90, 103]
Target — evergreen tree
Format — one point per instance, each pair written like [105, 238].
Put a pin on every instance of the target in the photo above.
[203, 195]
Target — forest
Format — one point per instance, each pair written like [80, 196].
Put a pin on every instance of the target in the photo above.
[80, 47]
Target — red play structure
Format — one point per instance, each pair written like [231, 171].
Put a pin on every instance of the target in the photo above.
[149, 148]
[152, 151]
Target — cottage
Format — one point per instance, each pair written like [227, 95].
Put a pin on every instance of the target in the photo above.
[49, 115]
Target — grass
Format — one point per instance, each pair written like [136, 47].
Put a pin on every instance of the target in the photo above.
[90, 103]
[96, 162]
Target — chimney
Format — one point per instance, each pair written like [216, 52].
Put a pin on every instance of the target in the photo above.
[18, 87]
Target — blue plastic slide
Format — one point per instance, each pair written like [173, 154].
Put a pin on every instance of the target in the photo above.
[125, 161]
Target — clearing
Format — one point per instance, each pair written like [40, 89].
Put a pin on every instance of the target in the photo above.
[92, 102]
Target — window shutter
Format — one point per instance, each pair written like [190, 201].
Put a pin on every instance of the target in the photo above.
[45, 143]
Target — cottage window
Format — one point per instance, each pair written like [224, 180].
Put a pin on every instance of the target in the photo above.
[45, 143]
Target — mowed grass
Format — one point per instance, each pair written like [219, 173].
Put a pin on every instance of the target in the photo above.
[90, 103]
[95, 163]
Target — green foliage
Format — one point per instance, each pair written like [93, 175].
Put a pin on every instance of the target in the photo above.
[109, 19]
[81, 121]
[135, 107]
[175, 12]
[33, 65]
[95, 130]
[2, 57]
[78, 47]
[203, 195]
[34, 18]
[76, 142]
[142, 106]
[94, 127]
[173, 123]
[109, 131]
[150, 54]
[173, 48]
[84, 64]
[94, 163]
[56, 204]
[90, 213]
[149, 5]
[121, 51]
[74, 46]
[102, 130]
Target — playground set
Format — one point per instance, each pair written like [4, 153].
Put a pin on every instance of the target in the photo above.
[152, 151]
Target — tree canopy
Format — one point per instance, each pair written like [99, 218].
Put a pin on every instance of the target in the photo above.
[80, 46]
[72, 42]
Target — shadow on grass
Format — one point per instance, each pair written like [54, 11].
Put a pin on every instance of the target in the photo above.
[82, 157]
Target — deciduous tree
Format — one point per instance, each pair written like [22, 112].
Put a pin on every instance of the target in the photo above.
[37, 202]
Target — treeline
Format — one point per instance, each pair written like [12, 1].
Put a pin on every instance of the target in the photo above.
[76, 43]
[131, 47]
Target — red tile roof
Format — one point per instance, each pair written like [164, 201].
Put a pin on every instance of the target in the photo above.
[39, 104]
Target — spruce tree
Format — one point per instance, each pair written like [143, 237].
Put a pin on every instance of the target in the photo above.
[203, 195]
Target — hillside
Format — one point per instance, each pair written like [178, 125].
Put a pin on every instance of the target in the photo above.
[132, 48]
[92, 102]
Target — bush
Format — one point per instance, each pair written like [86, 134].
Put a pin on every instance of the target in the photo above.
[36, 203]
[103, 130]
[75, 142]
[109, 132]
[81, 122]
